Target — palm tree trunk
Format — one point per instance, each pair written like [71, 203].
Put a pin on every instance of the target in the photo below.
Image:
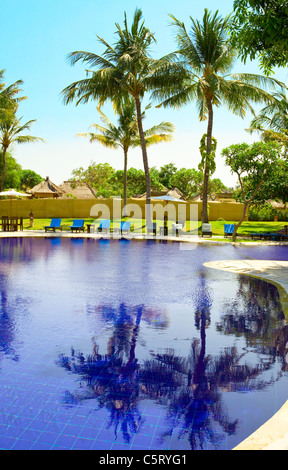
[125, 181]
[3, 168]
[204, 217]
[145, 161]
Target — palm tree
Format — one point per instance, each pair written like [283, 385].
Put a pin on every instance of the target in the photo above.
[123, 70]
[126, 135]
[205, 59]
[11, 131]
[8, 97]
[274, 116]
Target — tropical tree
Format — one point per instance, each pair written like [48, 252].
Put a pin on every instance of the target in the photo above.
[13, 172]
[166, 173]
[204, 60]
[274, 116]
[254, 165]
[97, 177]
[11, 131]
[259, 29]
[126, 134]
[125, 69]
[188, 180]
[29, 179]
[8, 97]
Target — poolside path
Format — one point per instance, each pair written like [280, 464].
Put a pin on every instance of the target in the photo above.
[273, 435]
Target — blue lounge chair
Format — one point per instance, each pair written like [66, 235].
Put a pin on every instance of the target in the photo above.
[269, 236]
[78, 225]
[259, 235]
[54, 225]
[125, 227]
[274, 236]
[104, 226]
[228, 230]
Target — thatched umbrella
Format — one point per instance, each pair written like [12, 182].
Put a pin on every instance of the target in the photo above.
[12, 193]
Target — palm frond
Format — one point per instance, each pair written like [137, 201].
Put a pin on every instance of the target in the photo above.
[26, 139]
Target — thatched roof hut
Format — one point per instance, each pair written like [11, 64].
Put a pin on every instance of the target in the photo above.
[46, 189]
[80, 191]
[174, 192]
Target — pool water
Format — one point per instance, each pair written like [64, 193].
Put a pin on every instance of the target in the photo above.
[135, 345]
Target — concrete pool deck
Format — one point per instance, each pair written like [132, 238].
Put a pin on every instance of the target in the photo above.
[272, 435]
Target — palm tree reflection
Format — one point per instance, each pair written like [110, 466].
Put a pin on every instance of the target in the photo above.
[189, 387]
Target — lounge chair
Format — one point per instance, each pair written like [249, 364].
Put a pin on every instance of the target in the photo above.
[228, 230]
[206, 230]
[269, 236]
[275, 236]
[152, 228]
[259, 235]
[54, 225]
[125, 227]
[104, 226]
[77, 225]
[177, 229]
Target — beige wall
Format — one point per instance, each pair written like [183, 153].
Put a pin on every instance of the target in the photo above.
[81, 208]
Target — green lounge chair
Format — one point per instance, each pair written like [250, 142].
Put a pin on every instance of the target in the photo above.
[78, 225]
[54, 225]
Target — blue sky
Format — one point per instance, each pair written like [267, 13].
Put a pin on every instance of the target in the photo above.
[37, 36]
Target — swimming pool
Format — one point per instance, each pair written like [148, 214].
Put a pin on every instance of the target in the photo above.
[135, 345]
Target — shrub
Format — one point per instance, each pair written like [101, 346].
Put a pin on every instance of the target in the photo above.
[262, 212]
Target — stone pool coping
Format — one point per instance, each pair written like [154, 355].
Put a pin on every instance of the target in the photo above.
[139, 236]
[272, 435]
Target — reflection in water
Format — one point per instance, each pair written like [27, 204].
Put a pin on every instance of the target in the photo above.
[175, 362]
[190, 387]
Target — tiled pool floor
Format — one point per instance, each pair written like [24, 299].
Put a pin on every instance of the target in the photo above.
[49, 399]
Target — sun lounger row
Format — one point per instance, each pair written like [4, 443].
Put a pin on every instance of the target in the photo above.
[270, 236]
[104, 227]
[125, 227]
[78, 226]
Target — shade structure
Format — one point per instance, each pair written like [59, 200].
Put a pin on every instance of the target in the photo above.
[169, 198]
[13, 193]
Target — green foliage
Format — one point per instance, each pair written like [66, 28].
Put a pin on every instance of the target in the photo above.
[261, 212]
[254, 165]
[188, 180]
[208, 158]
[274, 116]
[29, 179]
[166, 173]
[260, 28]
[97, 177]
[9, 99]
[13, 172]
